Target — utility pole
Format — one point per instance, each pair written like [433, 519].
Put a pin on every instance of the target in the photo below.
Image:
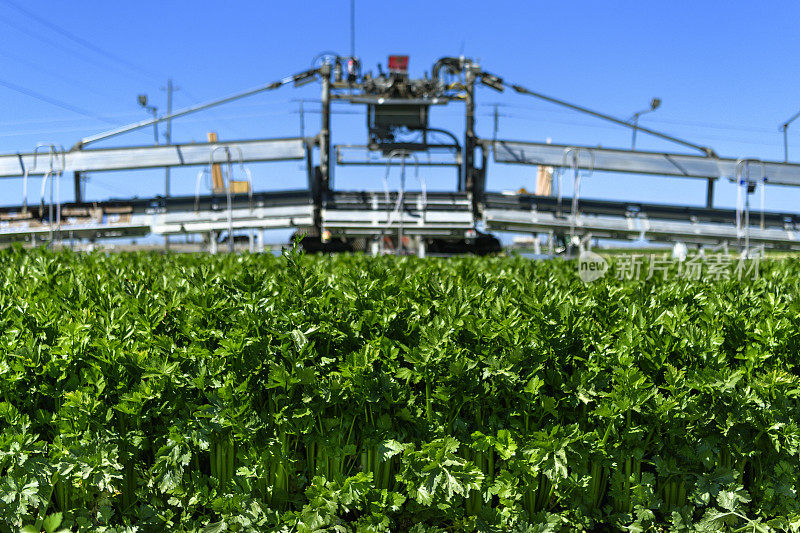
[496, 123]
[302, 120]
[168, 137]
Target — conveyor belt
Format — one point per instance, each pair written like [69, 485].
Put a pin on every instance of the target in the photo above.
[436, 214]
[526, 202]
[653, 230]
[626, 220]
[164, 216]
[363, 213]
[371, 200]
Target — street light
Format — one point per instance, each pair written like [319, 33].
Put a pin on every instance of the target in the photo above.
[142, 99]
[784, 127]
[655, 103]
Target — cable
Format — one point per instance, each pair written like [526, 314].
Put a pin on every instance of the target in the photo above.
[68, 120]
[583, 124]
[706, 125]
[296, 78]
[81, 41]
[190, 97]
[53, 101]
[36, 65]
[317, 112]
[522, 90]
[205, 121]
[547, 110]
[124, 192]
[58, 46]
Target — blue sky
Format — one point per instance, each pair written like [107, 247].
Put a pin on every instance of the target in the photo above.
[727, 73]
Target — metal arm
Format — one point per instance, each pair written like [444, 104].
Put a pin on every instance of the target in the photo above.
[195, 108]
[705, 150]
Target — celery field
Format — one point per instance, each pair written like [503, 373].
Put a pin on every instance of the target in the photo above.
[150, 392]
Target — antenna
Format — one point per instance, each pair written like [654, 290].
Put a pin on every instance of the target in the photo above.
[352, 28]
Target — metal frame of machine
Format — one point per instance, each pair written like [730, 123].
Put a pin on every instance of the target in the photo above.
[398, 115]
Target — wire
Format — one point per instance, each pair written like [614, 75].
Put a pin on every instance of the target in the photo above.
[53, 101]
[57, 46]
[81, 41]
[68, 120]
[333, 112]
[206, 121]
[38, 66]
[610, 128]
[18, 133]
[711, 125]
[122, 191]
[656, 120]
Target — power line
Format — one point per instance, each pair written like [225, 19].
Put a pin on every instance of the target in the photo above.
[210, 123]
[80, 40]
[116, 190]
[53, 101]
[711, 125]
[205, 121]
[127, 117]
[543, 109]
[38, 66]
[610, 128]
[60, 47]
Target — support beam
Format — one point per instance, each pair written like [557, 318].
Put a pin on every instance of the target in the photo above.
[76, 176]
[212, 242]
[467, 177]
[143, 157]
[639, 162]
[325, 131]
[710, 193]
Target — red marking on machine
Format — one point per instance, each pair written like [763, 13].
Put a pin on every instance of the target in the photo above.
[398, 64]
